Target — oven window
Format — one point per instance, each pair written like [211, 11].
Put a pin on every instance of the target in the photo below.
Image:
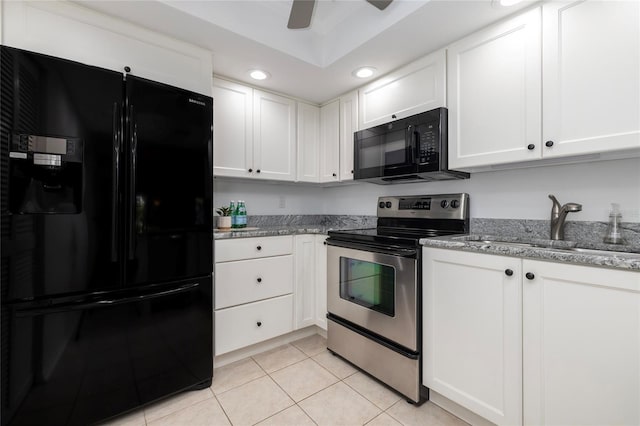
[368, 284]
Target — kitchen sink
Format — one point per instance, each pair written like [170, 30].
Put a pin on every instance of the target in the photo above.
[555, 245]
[595, 252]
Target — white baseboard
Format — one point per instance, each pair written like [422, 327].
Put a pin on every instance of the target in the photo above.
[248, 351]
[458, 410]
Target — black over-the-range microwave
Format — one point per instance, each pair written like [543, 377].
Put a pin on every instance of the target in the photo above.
[412, 149]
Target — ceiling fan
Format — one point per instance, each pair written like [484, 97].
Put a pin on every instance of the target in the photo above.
[301, 11]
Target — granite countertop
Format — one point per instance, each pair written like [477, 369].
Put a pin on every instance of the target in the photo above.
[271, 231]
[617, 257]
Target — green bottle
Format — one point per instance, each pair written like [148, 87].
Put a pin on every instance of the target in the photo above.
[232, 209]
[242, 215]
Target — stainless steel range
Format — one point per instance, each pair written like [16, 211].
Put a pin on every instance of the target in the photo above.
[374, 289]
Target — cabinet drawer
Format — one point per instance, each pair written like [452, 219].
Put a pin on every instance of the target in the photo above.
[252, 323]
[253, 248]
[252, 280]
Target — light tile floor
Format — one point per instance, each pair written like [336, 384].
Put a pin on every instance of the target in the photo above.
[296, 384]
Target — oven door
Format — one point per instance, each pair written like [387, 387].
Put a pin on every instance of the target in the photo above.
[376, 290]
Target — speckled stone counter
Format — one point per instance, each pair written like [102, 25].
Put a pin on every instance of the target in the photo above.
[530, 239]
[268, 226]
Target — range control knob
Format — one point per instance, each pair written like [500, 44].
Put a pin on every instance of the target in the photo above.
[444, 204]
[388, 204]
[381, 204]
[455, 204]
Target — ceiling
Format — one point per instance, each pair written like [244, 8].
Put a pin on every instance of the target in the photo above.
[314, 64]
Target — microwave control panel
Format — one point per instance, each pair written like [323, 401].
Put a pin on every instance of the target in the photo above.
[429, 143]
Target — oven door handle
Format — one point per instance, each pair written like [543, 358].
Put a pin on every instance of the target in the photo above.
[392, 251]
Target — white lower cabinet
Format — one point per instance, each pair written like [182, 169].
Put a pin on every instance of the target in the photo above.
[305, 281]
[581, 344]
[532, 342]
[310, 281]
[472, 332]
[253, 291]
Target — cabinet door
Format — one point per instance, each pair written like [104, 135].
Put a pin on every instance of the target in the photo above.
[472, 337]
[305, 281]
[308, 143]
[348, 125]
[232, 129]
[591, 84]
[274, 133]
[321, 281]
[581, 345]
[330, 142]
[494, 84]
[417, 87]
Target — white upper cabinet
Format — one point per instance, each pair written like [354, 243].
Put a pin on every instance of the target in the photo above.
[308, 143]
[348, 125]
[417, 87]
[560, 82]
[253, 133]
[494, 94]
[274, 135]
[232, 129]
[330, 142]
[591, 74]
[67, 30]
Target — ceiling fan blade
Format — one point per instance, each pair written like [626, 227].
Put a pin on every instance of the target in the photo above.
[301, 12]
[380, 4]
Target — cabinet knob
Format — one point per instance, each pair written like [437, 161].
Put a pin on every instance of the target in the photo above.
[508, 272]
[259, 280]
[351, 171]
[393, 116]
[259, 248]
[529, 276]
[127, 69]
[530, 147]
[548, 144]
[258, 171]
[250, 170]
[259, 323]
[334, 175]
[324, 242]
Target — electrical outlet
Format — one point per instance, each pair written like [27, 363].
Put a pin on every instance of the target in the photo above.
[282, 202]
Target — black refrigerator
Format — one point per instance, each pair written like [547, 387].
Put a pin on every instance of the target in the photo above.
[106, 241]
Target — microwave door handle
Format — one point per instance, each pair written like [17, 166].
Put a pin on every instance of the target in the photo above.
[412, 145]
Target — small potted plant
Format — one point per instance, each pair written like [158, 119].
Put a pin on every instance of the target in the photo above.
[224, 221]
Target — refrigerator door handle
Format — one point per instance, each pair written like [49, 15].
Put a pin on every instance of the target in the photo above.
[79, 305]
[115, 187]
[132, 185]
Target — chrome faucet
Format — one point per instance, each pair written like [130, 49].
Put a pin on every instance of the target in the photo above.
[558, 215]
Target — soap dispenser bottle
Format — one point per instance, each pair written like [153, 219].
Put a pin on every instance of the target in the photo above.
[614, 230]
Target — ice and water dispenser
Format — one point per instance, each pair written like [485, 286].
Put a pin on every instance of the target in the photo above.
[45, 174]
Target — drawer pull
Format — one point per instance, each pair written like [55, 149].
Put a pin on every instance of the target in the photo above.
[259, 323]
[259, 248]
[259, 280]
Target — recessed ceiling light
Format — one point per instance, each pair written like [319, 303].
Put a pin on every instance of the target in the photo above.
[509, 2]
[364, 72]
[259, 74]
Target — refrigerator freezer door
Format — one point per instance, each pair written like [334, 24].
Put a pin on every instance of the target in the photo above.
[60, 126]
[85, 361]
[169, 197]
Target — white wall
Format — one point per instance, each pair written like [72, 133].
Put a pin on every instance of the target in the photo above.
[515, 194]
